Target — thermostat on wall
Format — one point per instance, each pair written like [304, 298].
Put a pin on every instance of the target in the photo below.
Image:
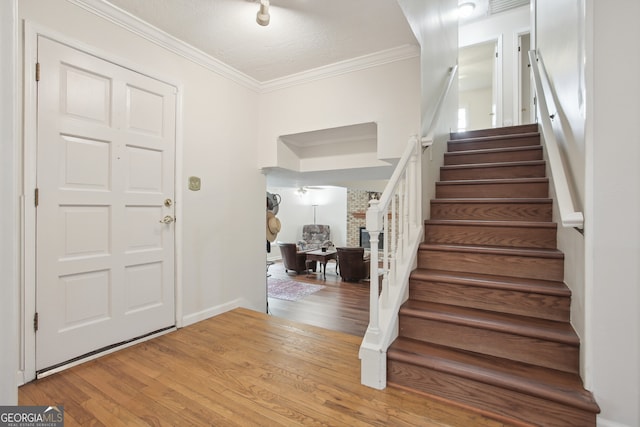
[194, 183]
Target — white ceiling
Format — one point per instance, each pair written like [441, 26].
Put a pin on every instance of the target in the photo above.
[302, 35]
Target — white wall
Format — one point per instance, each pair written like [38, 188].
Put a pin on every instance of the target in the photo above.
[563, 21]
[613, 208]
[435, 25]
[296, 211]
[222, 248]
[504, 27]
[594, 73]
[388, 95]
[564, 63]
[10, 225]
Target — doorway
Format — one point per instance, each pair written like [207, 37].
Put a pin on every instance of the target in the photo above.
[526, 106]
[479, 105]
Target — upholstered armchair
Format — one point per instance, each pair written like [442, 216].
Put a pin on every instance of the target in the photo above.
[353, 264]
[293, 259]
[315, 236]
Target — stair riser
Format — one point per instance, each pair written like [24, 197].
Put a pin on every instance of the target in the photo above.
[506, 404]
[466, 145]
[504, 156]
[492, 211]
[509, 130]
[445, 190]
[537, 351]
[496, 264]
[522, 237]
[529, 304]
[529, 171]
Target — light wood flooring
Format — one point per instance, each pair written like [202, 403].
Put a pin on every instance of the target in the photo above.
[241, 368]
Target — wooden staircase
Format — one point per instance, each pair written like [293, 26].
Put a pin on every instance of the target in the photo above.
[487, 320]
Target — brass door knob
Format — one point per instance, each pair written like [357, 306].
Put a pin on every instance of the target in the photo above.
[167, 219]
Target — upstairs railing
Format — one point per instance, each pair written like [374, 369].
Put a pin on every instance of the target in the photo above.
[569, 215]
[398, 215]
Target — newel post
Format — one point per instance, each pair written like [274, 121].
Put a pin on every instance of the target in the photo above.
[374, 227]
[373, 359]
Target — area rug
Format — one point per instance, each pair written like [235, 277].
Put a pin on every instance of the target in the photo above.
[290, 290]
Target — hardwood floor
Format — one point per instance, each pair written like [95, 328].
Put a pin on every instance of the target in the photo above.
[241, 368]
[340, 306]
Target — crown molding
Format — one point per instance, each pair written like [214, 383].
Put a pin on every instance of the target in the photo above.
[117, 16]
[147, 31]
[343, 67]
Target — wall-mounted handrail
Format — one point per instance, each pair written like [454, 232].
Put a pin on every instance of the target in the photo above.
[428, 139]
[398, 213]
[569, 216]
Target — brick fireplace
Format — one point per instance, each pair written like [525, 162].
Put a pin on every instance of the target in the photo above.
[357, 204]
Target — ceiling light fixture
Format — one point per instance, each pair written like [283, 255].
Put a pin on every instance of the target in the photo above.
[466, 9]
[263, 16]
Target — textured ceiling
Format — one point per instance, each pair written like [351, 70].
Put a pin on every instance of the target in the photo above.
[302, 35]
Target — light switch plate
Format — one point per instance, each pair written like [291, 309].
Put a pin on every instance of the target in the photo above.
[194, 183]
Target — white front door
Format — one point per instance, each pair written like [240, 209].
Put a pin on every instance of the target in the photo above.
[105, 178]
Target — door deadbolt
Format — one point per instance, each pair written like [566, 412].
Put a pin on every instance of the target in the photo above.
[168, 202]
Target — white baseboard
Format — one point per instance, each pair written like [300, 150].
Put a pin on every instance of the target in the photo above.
[601, 422]
[190, 319]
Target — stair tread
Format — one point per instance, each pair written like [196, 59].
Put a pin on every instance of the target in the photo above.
[546, 287]
[545, 383]
[492, 223]
[550, 330]
[495, 250]
[493, 150]
[494, 181]
[493, 165]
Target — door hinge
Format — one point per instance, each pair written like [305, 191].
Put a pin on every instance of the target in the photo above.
[519, 50]
[37, 71]
[36, 197]
[35, 322]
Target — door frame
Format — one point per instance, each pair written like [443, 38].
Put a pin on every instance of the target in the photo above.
[27, 349]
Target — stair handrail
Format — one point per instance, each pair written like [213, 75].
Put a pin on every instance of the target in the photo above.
[398, 212]
[569, 215]
[428, 139]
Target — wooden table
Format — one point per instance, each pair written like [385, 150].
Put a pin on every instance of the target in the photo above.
[322, 258]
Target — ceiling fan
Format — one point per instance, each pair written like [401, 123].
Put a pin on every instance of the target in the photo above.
[303, 190]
